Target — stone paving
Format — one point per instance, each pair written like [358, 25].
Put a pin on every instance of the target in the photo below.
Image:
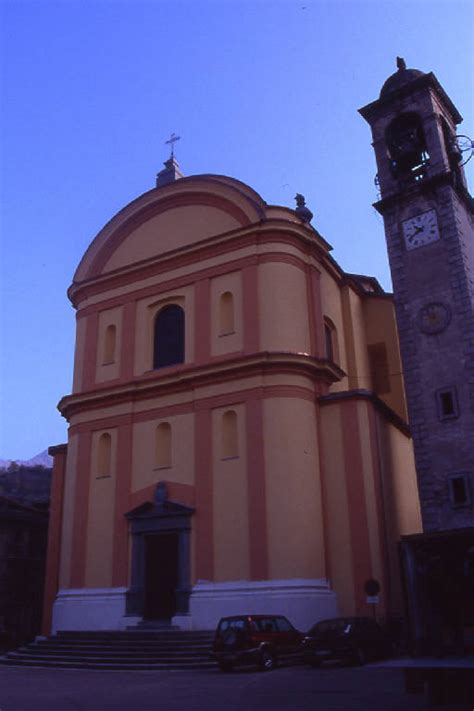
[331, 688]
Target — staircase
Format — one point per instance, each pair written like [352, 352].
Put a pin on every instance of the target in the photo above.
[129, 650]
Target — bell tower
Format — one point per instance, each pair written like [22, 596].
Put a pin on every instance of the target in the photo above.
[428, 219]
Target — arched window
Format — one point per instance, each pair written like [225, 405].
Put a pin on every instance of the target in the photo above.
[169, 337]
[109, 344]
[104, 454]
[331, 345]
[230, 438]
[163, 445]
[226, 313]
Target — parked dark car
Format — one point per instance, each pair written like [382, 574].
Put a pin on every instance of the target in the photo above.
[255, 639]
[352, 639]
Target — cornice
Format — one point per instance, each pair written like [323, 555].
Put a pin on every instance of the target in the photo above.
[307, 240]
[370, 396]
[182, 378]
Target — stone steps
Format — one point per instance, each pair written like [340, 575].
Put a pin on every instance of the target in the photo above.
[110, 650]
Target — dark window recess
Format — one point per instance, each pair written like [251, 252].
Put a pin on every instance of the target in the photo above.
[459, 490]
[169, 337]
[447, 403]
[378, 362]
[406, 146]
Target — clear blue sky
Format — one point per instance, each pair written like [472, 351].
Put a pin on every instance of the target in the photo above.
[266, 91]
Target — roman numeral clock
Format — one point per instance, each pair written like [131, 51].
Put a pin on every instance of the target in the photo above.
[428, 220]
[420, 229]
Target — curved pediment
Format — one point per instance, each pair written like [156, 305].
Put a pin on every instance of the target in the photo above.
[168, 218]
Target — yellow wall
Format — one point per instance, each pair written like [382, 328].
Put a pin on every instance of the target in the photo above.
[337, 508]
[100, 525]
[331, 307]
[230, 342]
[284, 321]
[108, 370]
[294, 513]
[355, 338]
[79, 354]
[144, 469]
[230, 503]
[173, 229]
[380, 326]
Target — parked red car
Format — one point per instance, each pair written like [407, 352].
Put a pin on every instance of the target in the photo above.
[263, 640]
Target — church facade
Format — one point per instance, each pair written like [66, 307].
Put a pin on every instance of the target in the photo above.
[237, 427]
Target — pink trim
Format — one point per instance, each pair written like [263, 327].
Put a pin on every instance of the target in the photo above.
[128, 340]
[81, 510]
[251, 309]
[202, 321]
[204, 495]
[123, 476]
[381, 516]
[54, 535]
[257, 511]
[191, 258]
[147, 213]
[354, 474]
[90, 351]
[224, 400]
[180, 493]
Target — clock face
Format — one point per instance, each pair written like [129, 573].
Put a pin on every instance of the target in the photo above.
[421, 229]
[434, 318]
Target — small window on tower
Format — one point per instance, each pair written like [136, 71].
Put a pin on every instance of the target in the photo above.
[459, 490]
[447, 403]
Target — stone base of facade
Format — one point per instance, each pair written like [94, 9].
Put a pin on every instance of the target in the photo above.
[303, 601]
[90, 609]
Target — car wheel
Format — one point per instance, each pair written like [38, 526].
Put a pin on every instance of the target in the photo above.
[267, 661]
[226, 666]
[315, 662]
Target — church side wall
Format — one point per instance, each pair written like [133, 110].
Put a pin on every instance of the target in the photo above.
[284, 319]
[295, 530]
[370, 491]
[381, 327]
[230, 499]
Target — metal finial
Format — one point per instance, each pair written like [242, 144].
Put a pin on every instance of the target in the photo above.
[401, 64]
[171, 141]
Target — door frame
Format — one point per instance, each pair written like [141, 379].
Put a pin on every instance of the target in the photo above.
[159, 516]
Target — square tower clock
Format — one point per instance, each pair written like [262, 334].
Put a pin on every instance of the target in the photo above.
[428, 219]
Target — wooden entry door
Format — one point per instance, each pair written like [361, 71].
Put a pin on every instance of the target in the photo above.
[161, 575]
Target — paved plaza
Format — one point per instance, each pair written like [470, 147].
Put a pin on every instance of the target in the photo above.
[331, 688]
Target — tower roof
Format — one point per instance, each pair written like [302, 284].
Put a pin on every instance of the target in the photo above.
[400, 78]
